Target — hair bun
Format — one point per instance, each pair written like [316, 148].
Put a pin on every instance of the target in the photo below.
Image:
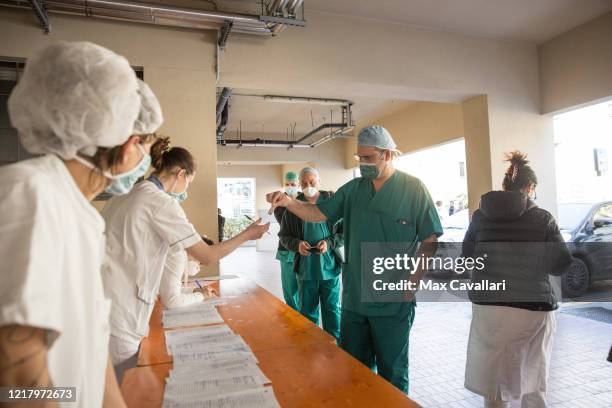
[161, 146]
[517, 158]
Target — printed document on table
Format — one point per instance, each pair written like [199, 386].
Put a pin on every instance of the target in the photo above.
[201, 356]
[211, 386]
[255, 398]
[190, 318]
[192, 373]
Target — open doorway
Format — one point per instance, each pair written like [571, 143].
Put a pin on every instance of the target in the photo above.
[442, 169]
[236, 202]
[583, 145]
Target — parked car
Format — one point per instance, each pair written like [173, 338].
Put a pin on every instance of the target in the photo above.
[449, 246]
[588, 229]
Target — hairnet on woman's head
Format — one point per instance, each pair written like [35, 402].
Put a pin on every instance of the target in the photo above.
[150, 116]
[74, 96]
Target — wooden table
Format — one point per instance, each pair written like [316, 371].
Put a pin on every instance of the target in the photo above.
[305, 366]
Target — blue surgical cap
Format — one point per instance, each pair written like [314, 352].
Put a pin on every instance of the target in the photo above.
[376, 136]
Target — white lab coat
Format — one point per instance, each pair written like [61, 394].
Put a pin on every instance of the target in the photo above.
[508, 352]
[170, 291]
[52, 248]
[142, 227]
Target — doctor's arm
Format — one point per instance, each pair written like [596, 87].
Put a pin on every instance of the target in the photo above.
[305, 211]
[23, 358]
[112, 392]
[208, 254]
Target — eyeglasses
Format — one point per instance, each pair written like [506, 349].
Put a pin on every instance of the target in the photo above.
[370, 158]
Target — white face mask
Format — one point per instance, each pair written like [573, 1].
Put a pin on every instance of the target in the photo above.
[193, 268]
[310, 191]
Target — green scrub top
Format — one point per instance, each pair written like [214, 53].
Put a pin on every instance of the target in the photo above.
[401, 211]
[317, 266]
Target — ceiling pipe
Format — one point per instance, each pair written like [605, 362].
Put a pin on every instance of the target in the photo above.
[276, 9]
[163, 15]
[260, 143]
[320, 128]
[293, 6]
[304, 100]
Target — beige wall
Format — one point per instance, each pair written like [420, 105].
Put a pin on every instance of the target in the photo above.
[425, 124]
[267, 179]
[419, 125]
[179, 66]
[576, 67]
[350, 57]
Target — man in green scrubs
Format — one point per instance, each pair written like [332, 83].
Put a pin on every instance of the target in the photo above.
[384, 205]
[318, 259]
[285, 256]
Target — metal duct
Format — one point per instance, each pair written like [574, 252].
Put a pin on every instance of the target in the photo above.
[224, 96]
[152, 13]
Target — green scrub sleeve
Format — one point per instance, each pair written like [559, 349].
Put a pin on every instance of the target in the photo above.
[428, 220]
[333, 207]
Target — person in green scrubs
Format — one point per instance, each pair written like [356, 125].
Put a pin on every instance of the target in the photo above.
[284, 256]
[318, 259]
[384, 205]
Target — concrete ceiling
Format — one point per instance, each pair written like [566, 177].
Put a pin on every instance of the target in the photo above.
[527, 20]
[534, 21]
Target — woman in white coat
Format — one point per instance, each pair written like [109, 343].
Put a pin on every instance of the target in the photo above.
[142, 228]
[179, 268]
[76, 106]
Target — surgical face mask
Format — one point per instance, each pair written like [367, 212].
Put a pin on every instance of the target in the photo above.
[180, 197]
[193, 268]
[370, 170]
[122, 183]
[310, 191]
[291, 191]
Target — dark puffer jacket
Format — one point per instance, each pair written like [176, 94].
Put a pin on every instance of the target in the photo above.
[523, 246]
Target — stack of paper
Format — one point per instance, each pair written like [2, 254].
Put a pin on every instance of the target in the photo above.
[214, 367]
[198, 314]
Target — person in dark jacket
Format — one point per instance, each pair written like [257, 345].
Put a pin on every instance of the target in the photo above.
[285, 256]
[511, 333]
[317, 262]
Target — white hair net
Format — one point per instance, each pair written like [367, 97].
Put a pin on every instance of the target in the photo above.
[150, 116]
[310, 170]
[74, 96]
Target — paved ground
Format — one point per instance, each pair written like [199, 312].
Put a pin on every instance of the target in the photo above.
[580, 375]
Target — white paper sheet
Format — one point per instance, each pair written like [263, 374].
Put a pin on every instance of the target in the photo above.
[199, 356]
[262, 397]
[219, 277]
[197, 316]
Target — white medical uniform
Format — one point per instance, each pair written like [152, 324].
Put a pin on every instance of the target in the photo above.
[142, 227]
[170, 289]
[52, 248]
[508, 356]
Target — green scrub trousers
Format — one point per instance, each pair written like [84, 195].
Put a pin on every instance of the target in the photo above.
[401, 211]
[288, 279]
[318, 281]
[380, 342]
